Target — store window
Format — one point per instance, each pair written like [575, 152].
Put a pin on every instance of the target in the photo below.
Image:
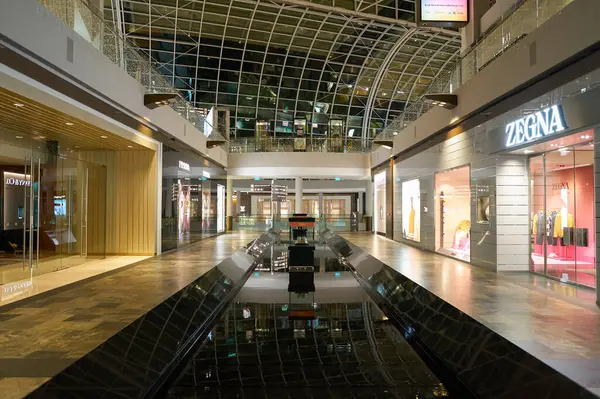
[411, 210]
[379, 211]
[562, 211]
[453, 213]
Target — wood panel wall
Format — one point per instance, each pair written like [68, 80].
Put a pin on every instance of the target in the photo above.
[130, 201]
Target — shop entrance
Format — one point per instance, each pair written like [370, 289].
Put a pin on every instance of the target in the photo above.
[562, 210]
[45, 199]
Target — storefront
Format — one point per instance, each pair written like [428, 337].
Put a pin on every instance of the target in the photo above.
[72, 195]
[193, 199]
[379, 202]
[515, 193]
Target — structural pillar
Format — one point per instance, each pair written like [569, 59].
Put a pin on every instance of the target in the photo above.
[298, 194]
[229, 204]
[321, 209]
[369, 206]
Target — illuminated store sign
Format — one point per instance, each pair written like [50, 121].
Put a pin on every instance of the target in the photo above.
[184, 166]
[444, 10]
[535, 126]
[17, 182]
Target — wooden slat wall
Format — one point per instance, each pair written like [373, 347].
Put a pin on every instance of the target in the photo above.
[130, 200]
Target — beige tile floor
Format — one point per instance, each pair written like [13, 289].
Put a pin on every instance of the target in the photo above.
[42, 337]
[555, 322]
[37, 284]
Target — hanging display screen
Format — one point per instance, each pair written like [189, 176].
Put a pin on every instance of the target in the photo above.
[444, 11]
[411, 212]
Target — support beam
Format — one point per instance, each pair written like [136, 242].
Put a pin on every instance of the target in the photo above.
[357, 14]
[298, 194]
[229, 204]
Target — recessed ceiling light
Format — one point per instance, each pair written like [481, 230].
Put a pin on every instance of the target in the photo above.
[395, 133]
[69, 123]
[103, 137]
[129, 146]
[19, 105]
[19, 137]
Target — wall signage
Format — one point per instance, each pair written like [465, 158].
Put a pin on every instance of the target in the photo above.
[535, 126]
[184, 166]
[17, 182]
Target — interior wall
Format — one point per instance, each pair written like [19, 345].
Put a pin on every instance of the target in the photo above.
[130, 201]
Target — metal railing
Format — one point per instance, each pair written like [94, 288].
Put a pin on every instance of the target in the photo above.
[308, 144]
[521, 20]
[88, 22]
[340, 223]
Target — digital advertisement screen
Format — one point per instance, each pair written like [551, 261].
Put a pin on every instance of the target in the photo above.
[411, 213]
[445, 10]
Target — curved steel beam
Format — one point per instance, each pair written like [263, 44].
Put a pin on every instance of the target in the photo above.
[377, 81]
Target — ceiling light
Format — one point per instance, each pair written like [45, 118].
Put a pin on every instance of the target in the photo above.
[19, 105]
[69, 123]
[395, 133]
[19, 137]
[366, 88]
[103, 137]
[41, 137]
[129, 146]
[385, 94]
[400, 92]
[528, 151]
[349, 86]
[77, 146]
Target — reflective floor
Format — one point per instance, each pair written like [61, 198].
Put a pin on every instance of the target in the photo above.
[45, 335]
[350, 350]
[555, 322]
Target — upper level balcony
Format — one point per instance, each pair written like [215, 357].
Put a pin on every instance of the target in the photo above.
[304, 144]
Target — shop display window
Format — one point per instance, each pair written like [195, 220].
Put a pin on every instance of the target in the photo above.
[453, 213]
[562, 214]
[379, 201]
[411, 210]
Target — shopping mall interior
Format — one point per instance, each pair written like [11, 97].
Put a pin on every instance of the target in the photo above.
[290, 198]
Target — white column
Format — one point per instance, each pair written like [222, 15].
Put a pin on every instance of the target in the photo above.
[321, 204]
[229, 203]
[369, 198]
[298, 193]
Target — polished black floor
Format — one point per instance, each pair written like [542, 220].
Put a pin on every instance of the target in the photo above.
[349, 351]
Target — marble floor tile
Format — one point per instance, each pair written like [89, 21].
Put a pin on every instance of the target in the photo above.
[45, 335]
[557, 323]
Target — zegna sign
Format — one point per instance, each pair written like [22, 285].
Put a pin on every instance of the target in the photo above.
[535, 126]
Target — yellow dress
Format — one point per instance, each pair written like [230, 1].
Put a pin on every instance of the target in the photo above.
[411, 222]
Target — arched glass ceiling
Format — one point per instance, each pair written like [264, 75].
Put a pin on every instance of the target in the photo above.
[286, 59]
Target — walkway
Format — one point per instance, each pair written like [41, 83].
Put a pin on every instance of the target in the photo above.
[555, 322]
[45, 335]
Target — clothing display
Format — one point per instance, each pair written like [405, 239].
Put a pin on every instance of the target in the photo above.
[411, 223]
[559, 230]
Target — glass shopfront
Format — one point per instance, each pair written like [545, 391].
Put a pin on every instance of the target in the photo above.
[411, 207]
[515, 193]
[561, 197]
[453, 213]
[193, 199]
[52, 212]
[379, 211]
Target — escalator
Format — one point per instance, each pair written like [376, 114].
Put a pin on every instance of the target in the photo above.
[374, 334]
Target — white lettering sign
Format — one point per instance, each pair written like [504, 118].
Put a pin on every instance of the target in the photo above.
[184, 166]
[535, 126]
[17, 182]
